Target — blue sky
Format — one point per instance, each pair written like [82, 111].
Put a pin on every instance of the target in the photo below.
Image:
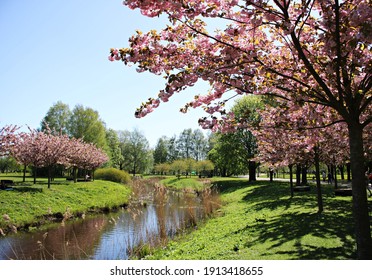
[57, 51]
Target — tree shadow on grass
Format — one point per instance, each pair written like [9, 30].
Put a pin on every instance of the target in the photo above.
[309, 232]
[291, 226]
[229, 186]
[28, 189]
[296, 220]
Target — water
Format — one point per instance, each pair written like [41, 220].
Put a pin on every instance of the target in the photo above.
[154, 216]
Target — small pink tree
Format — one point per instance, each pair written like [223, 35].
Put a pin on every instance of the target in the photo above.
[84, 155]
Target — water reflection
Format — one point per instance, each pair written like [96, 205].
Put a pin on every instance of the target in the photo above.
[154, 216]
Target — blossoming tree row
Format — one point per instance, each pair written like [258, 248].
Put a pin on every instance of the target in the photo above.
[311, 51]
[48, 149]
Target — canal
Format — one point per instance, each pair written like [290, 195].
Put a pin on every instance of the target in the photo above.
[154, 216]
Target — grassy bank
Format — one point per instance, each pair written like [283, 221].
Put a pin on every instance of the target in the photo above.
[29, 204]
[260, 221]
[192, 183]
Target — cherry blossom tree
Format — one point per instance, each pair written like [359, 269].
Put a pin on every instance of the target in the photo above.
[7, 138]
[316, 51]
[84, 155]
[47, 149]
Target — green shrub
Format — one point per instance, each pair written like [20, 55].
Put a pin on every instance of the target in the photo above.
[112, 174]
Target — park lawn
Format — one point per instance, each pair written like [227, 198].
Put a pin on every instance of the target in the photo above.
[29, 204]
[260, 221]
[193, 183]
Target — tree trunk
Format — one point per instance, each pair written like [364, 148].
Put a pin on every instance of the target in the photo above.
[341, 168]
[304, 176]
[271, 175]
[252, 170]
[298, 175]
[35, 169]
[24, 173]
[335, 176]
[291, 179]
[318, 184]
[74, 173]
[49, 175]
[360, 203]
[348, 168]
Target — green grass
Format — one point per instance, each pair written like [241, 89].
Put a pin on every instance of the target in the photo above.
[184, 183]
[29, 204]
[261, 221]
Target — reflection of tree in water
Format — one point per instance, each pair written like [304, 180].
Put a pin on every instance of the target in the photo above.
[154, 215]
[160, 201]
[72, 241]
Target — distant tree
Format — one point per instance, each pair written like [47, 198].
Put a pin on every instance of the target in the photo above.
[161, 150]
[204, 166]
[178, 167]
[190, 166]
[85, 123]
[57, 118]
[8, 164]
[226, 155]
[185, 143]
[162, 168]
[200, 145]
[173, 152]
[135, 151]
[114, 151]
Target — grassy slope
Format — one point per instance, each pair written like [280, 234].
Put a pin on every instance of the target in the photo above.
[183, 183]
[261, 221]
[27, 202]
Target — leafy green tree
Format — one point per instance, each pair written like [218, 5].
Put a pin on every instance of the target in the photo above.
[178, 167]
[190, 166]
[185, 143]
[114, 151]
[85, 123]
[162, 168]
[161, 150]
[8, 164]
[204, 166]
[247, 108]
[57, 118]
[173, 152]
[200, 145]
[135, 151]
[125, 150]
[226, 155]
[233, 152]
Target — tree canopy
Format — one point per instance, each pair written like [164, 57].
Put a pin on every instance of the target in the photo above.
[308, 51]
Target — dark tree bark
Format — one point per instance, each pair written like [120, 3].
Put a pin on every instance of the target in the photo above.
[298, 175]
[304, 175]
[318, 184]
[24, 173]
[271, 175]
[341, 168]
[360, 203]
[348, 168]
[252, 170]
[35, 169]
[291, 179]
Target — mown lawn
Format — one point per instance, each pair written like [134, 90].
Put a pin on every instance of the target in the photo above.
[29, 204]
[261, 221]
